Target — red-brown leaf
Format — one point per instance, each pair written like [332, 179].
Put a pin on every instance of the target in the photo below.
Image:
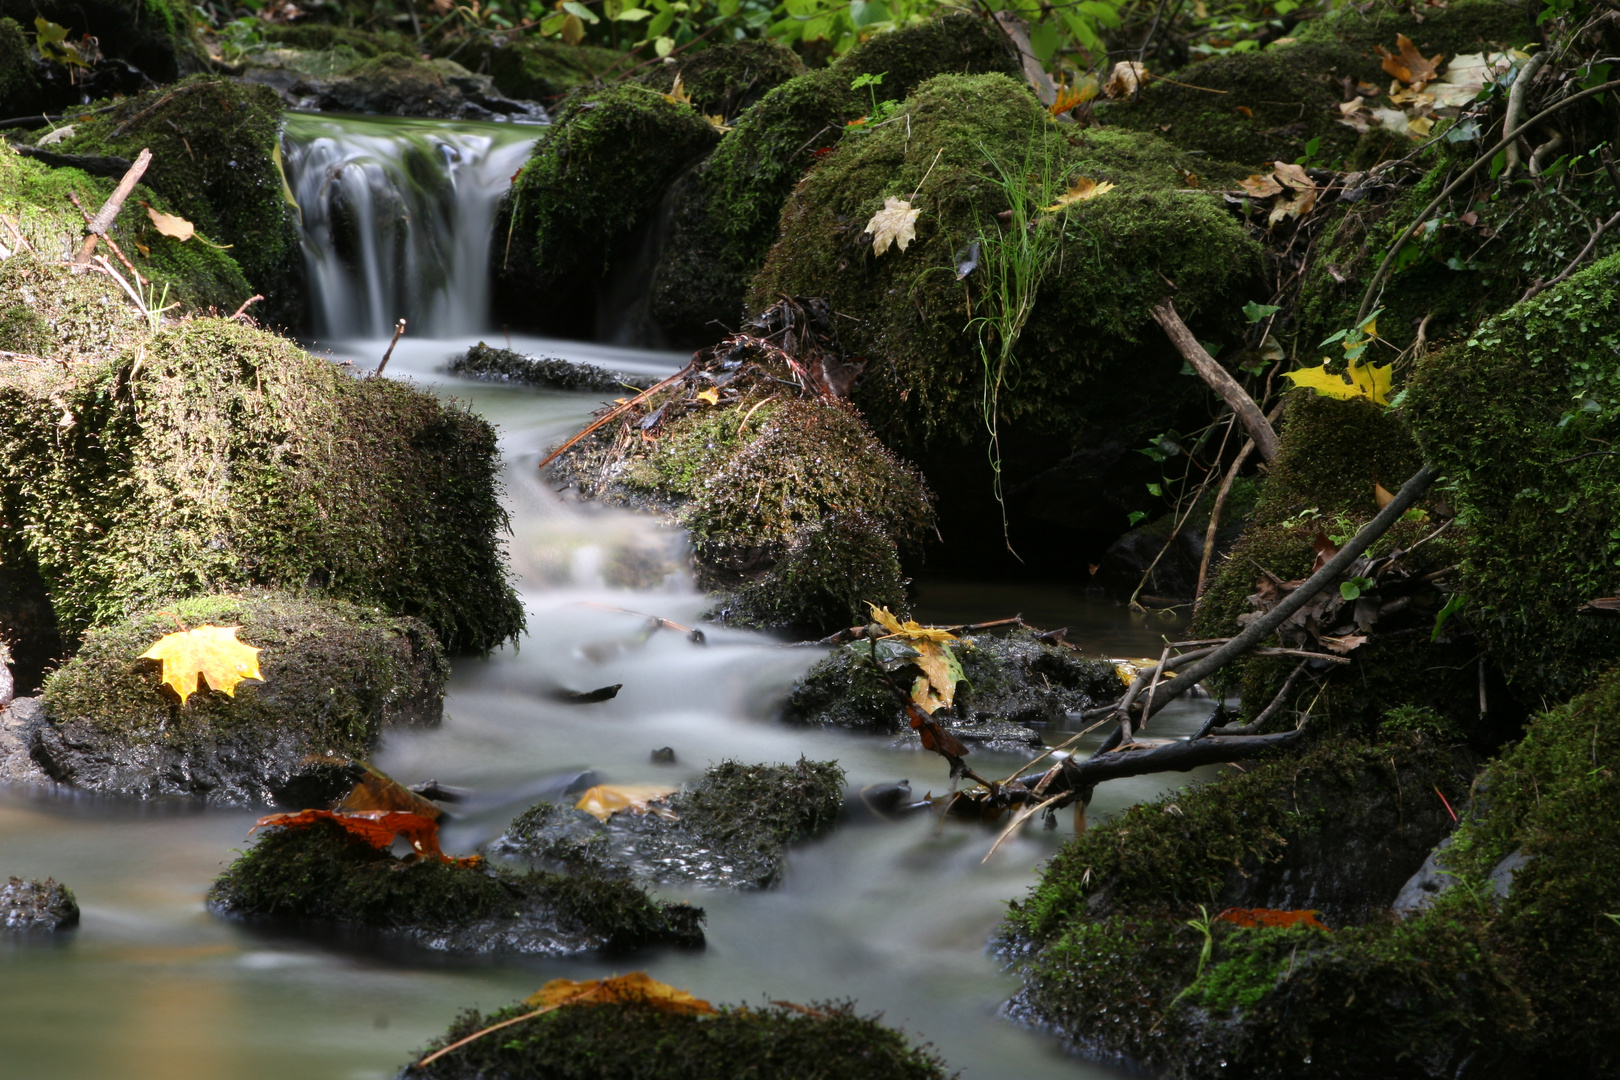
[1261, 916]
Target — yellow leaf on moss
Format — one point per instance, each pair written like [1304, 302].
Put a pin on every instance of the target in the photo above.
[1361, 380]
[637, 988]
[171, 225]
[911, 630]
[677, 93]
[711, 395]
[211, 652]
[895, 224]
[1082, 189]
[936, 688]
[605, 800]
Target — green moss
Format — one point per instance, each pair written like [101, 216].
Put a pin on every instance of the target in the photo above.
[1288, 95]
[362, 44]
[593, 179]
[537, 69]
[1468, 26]
[322, 874]
[910, 315]
[1505, 415]
[156, 36]
[590, 1043]
[334, 676]
[725, 79]
[216, 456]
[213, 143]
[19, 89]
[724, 216]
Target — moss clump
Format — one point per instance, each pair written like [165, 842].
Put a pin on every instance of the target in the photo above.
[592, 181]
[322, 874]
[606, 1043]
[335, 675]
[730, 829]
[1507, 416]
[156, 36]
[38, 198]
[214, 158]
[362, 44]
[19, 88]
[217, 457]
[911, 316]
[1468, 26]
[1011, 678]
[536, 69]
[725, 79]
[724, 215]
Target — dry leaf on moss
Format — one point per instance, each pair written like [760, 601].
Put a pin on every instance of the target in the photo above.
[895, 224]
[376, 827]
[636, 988]
[1410, 67]
[605, 800]
[209, 651]
[1260, 187]
[171, 225]
[379, 791]
[1082, 189]
[1125, 78]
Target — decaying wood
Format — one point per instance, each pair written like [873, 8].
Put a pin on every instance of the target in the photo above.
[98, 225]
[1237, 399]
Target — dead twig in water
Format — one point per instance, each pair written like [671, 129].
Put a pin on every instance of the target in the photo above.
[399, 328]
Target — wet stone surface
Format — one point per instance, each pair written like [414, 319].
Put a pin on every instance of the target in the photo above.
[37, 905]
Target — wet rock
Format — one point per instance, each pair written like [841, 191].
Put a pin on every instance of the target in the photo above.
[394, 85]
[531, 68]
[553, 373]
[8, 686]
[321, 875]
[1013, 681]
[603, 1043]
[335, 677]
[1425, 887]
[17, 723]
[664, 755]
[26, 904]
[732, 829]
[156, 39]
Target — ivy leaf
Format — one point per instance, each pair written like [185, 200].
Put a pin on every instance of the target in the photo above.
[895, 224]
[211, 652]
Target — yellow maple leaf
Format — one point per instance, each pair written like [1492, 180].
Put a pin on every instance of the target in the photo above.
[1360, 380]
[895, 224]
[936, 688]
[635, 988]
[711, 395]
[717, 122]
[209, 651]
[911, 630]
[604, 800]
[1082, 189]
[1410, 66]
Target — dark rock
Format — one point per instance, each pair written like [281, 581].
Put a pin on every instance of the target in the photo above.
[17, 724]
[335, 676]
[37, 905]
[553, 373]
[394, 85]
[320, 874]
[664, 755]
[732, 829]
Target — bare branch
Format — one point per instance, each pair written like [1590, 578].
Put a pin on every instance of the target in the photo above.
[1242, 405]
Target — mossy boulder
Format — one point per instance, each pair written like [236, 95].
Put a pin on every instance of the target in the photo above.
[536, 69]
[389, 84]
[336, 676]
[723, 215]
[320, 875]
[731, 829]
[20, 92]
[797, 515]
[725, 79]
[36, 297]
[590, 186]
[323, 37]
[213, 457]
[1014, 683]
[215, 158]
[1516, 416]
[158, 37]
[37, 905]
[1111, 962]
[790, 1042]
[1468, 26]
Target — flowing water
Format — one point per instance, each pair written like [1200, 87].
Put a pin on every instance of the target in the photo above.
[895, 915]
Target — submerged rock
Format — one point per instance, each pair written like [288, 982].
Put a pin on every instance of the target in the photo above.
[37, 905]
[731, 829]
[1011, 681]
[335, 677]
[553, 373]
[320, 874]
[779, 1040]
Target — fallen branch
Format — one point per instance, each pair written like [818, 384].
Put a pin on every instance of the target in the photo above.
[615, 412]
[1257, 725]
[98, 225]
[73, 197]
[1237, 399]
[399, 329]
[237, 314]
[1220, 503]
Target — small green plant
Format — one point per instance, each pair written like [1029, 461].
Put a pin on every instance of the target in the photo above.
[880, 113]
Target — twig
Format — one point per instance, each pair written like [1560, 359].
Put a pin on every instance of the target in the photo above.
[1593, 453]
[1175, 531]
[98, 225]
[399, 328]
[1242, 405]
[1225, 490]
[1580, 257]
[615, 412]
[437, 1054]
[1517, 97]
[1253, 727]
[1019, 820]
[73, 197]
[237, 314]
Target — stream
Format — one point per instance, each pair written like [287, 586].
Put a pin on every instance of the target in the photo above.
[896, 916]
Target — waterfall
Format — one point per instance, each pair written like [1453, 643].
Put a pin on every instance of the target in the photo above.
[397, 217]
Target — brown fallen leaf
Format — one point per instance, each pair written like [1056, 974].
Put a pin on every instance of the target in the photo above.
[1260, 187]
[1411, 66]
[1607, 605]
[211, 652]
[1082, 189]
[636, 988]
[1126, 77]
[1344, 644]
[1381, 495]
[1325, 550]
[605, 800]
[376, 827]
[1260, 916]
[379, 791]
[895, 224]
[171, 225]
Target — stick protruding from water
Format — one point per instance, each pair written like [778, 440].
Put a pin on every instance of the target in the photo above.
[399, 330]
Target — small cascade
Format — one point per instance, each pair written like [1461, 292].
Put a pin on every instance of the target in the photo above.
[397, 216]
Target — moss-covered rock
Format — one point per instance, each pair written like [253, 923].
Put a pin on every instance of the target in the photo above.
[553, 373]
[322, 875]
[20, 93]
[607, 1043]
[335, 677]
[725, 79]
[215, 158]
[731, 829]
[1089, 352]
[214, 457]
[591, 184]
[1468, 26]
[724, 214]
[389, 84]
[1011, 680]
[1111, 960]
[158, 37]
[322, 37]
[37, 905]
[1516, 417]
[536, 69]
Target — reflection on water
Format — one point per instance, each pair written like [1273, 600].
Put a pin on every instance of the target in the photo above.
[896, 916]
